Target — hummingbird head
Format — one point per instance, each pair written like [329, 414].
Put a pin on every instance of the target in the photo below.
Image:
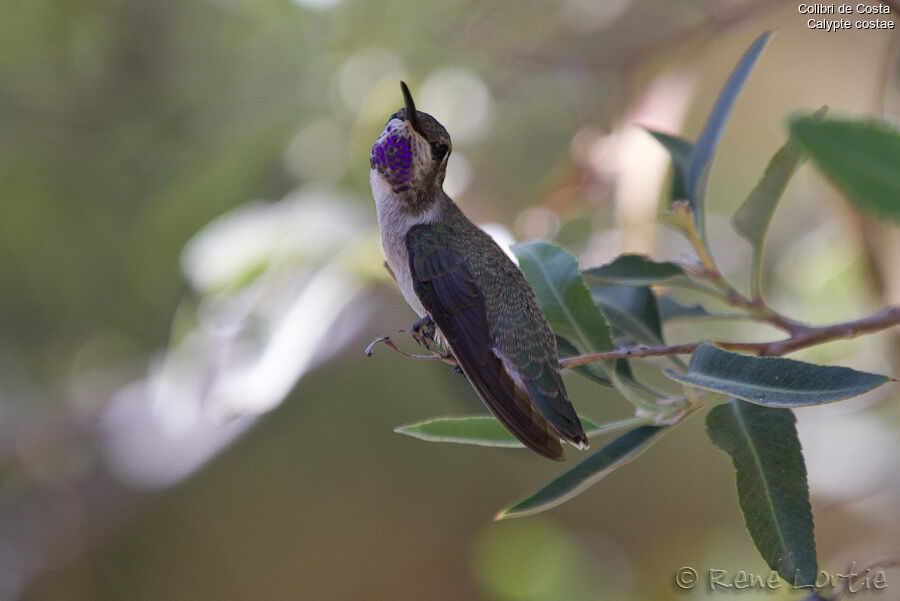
[411, 153]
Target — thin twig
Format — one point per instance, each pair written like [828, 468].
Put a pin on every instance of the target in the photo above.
[390, 343]
[710, 272]
[635, 352]
[757, 308]
[809, 336]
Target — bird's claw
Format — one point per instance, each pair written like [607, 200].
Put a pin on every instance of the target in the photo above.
[424, 327]
[423, 331]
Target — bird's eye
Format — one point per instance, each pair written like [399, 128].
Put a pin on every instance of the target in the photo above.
[439, 150]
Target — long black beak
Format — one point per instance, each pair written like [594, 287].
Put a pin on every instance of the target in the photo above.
[411, 115]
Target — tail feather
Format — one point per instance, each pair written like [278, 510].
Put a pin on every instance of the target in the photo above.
[512, 406]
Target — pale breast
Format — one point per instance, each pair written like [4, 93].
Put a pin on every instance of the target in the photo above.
[394, 222]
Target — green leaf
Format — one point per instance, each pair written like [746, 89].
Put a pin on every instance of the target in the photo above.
[753, 218]
[633, 270]
[631, 310]
[669, 308]
[771, 483]
[708, 142]
[486, 431]
[774, 382]
[860, 157]
[587, 473]
[680, 151]
[755, 214]
[634, 314]
[482, 430]
[566, 301]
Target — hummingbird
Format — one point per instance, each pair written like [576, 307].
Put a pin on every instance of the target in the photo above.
[465, 289]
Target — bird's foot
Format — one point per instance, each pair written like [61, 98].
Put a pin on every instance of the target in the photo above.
[423, 332]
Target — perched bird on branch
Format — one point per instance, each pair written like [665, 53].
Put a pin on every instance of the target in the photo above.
[468, 293]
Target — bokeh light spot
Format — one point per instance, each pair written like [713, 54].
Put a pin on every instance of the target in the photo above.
[537, 223]
[318, 152]
[525, 560]
[459, 175]
[593, 15]
[360, 74]
[460, 100]
[317, 4]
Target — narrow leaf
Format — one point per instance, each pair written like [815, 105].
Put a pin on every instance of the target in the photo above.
[634, 315]
[486, 431]
[632, 310]
[755, 214]
[753, 218]
[633, 270]
[565, 300]
[774, 382]
[587, 473]
[860, 157]
[669, 308]
[771, 482]
[482, 430]
[680, 151]
[708, 142]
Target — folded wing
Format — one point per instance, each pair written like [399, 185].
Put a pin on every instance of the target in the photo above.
[449, 293]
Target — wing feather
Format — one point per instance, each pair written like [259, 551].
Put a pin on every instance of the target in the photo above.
[450, 294]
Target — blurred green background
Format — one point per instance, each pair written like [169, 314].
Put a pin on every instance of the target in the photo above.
[189, 272]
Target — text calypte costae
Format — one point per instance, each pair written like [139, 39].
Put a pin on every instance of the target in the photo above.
[455, 277]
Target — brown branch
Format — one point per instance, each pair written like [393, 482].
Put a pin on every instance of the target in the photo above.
[681, 217]
[762, 312]
[708, 271]
[808, 336]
